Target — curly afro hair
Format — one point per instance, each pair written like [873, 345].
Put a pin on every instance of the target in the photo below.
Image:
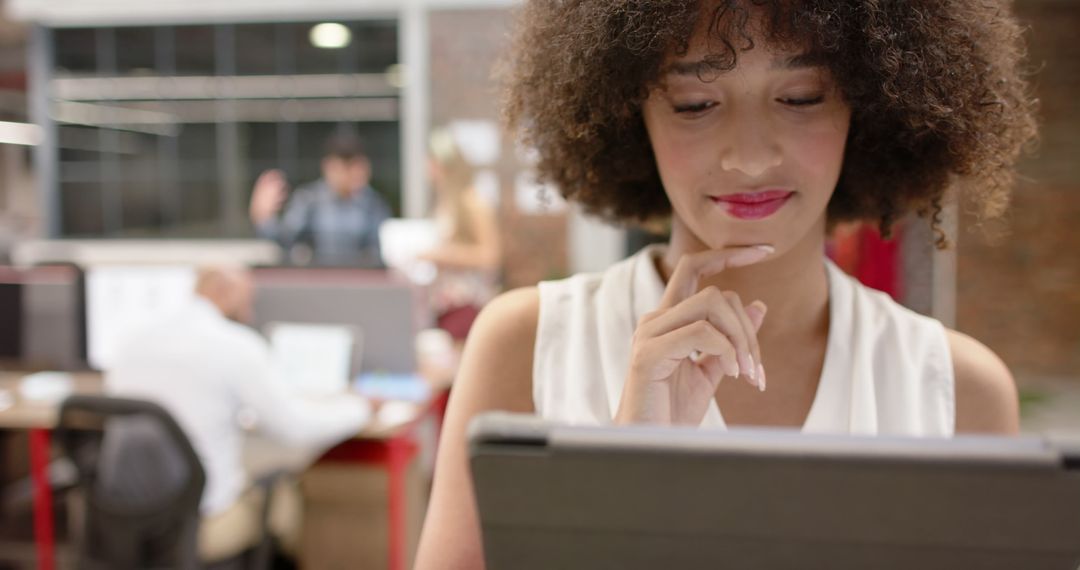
[937, 92]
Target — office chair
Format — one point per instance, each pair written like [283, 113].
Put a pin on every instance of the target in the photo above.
[142, 483]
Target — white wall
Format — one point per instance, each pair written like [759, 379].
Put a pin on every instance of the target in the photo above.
[594, 245]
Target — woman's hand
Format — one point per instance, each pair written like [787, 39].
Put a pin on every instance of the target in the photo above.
[683, 349]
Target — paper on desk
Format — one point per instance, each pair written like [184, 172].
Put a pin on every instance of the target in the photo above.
[50, 387]
[402, 241]
[395, 413]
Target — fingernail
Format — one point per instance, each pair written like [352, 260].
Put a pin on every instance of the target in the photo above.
[761, 377]
[731, 369]
[746, 364]
[748, 256]
[753, 367]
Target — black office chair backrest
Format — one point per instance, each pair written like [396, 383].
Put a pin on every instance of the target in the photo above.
[142, 481]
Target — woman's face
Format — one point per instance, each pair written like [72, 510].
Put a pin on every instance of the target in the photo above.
[749, 156]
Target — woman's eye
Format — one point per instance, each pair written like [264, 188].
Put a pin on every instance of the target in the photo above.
[803, 101]
[694, 108]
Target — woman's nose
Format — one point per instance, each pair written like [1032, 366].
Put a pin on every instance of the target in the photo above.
[749, 147]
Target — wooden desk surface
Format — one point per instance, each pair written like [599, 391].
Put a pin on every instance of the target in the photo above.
[27, 414]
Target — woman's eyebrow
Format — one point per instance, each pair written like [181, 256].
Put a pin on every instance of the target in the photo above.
[691, 68]
[706, 68]
[800, 61]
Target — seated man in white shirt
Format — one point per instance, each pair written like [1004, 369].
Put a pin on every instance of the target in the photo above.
[204, 367]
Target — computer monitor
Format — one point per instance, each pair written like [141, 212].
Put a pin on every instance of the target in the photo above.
[636, 498]
[122, 298]
[53, 317]
[314, 359]
[11, 293]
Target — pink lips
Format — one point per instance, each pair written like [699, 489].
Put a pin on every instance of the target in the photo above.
[753, 205]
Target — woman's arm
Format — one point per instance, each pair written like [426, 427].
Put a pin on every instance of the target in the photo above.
[495, 374]
[986, 398]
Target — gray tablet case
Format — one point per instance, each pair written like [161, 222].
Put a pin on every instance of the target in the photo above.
[553, 497]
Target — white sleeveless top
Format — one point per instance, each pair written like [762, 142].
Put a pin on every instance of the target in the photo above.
[887, 370]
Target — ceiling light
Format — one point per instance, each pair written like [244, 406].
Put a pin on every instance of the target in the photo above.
[330, 36]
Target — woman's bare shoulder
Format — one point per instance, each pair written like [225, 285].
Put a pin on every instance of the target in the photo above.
[986, 396]
[499, 351]
[511, 317]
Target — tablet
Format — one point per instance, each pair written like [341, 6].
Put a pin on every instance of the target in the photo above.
[556, 496]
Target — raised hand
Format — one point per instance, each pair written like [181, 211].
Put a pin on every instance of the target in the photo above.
[268, 197]
[683, 349]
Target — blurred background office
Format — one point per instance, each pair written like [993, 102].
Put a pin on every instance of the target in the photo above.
[134, 138]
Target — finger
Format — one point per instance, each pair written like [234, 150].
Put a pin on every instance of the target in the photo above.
[713, 306]
[714, 370]
[267, 177]
[692, 267]
[272, 182]
[756, 312]
[662, 354]
[750, 372]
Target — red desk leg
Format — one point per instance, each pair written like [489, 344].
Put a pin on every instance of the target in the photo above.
[394, 455]
[43, 515]
[401, 450]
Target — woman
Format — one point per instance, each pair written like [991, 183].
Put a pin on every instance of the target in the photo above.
[469, 256]
[755, 126]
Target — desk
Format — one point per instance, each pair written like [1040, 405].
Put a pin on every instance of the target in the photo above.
[394, 449]
[39, 419]
[389, 444]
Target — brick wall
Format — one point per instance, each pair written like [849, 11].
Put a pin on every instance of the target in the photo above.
[1020, 293]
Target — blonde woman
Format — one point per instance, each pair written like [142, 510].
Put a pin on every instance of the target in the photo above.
[469, 256]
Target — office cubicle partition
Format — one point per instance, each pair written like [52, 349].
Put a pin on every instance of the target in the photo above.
[43, 321]
[386, 308]
[48, 306]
